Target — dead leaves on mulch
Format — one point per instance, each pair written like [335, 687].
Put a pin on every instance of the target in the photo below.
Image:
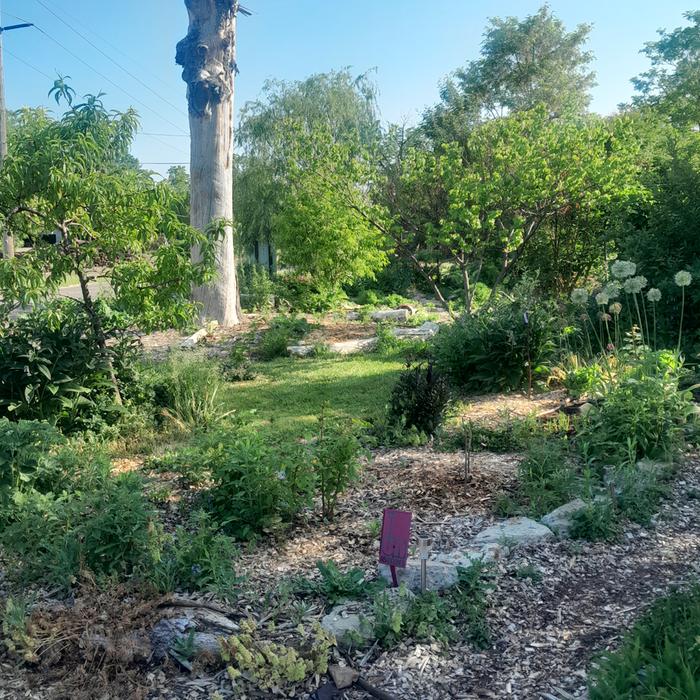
[95, 646]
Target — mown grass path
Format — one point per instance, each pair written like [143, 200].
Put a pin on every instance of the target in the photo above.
[288, 394]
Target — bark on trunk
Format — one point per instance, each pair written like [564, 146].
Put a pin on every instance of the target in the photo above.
[207, 55]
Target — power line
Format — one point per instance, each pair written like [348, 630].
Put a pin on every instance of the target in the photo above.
[26, 63]
[109, 58]
[115, 48]
[151, 133]
[109, 80]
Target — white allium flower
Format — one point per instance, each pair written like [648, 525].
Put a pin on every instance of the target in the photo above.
[579, 296]
[602, 298]
[683, 278]
[615, 308]
[622, 269]
[634, 285]
[612, 289]
[654, 295]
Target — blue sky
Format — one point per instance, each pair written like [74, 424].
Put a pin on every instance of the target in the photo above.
[411, 44]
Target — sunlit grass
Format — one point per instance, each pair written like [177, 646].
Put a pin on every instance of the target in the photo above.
[288, 394]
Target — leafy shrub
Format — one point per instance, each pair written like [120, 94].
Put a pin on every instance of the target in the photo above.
[546, 477]
[597, 521]
[419, 399]
[187, 391]
[26, 459]
[303, 295]
[336, 586]
[639, 492]
[334, 459]
[580, 378]
[402, 616]
[197, 558]
[110, 530]
[500, 348]
[461, 613]
[368, 297]
[644, 410]
[237, 367]
[257, 287]
[283, 331]
[382, 431]
[49, 369]
[258, 486]
[469, 599]
[658, 658]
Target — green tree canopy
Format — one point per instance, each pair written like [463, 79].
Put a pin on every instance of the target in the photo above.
[523, 63]
[113, 222]
[672, 84]
[488, 198]
[325, 226]
[341, 105]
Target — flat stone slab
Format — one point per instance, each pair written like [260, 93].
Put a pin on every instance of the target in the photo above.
[425, 330]
[345, 347]
[442, 567]
[561, 519]
[514, 531]
[391, 315]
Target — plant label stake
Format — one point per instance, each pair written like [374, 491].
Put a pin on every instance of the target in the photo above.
[423, 553]
[393, 545]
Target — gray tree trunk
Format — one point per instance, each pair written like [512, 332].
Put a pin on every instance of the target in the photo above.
[207, 55]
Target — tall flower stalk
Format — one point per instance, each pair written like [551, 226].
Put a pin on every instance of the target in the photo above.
[682, 279]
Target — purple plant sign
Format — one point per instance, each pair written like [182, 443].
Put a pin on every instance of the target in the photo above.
[396, 533]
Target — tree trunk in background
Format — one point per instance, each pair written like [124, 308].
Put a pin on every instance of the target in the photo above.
[207, 55]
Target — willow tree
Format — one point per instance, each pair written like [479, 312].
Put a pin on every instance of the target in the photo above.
[208, 57]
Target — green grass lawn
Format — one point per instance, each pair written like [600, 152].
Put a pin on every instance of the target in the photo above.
[287, 395]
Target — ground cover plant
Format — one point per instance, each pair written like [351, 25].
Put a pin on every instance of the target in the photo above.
[659, 656]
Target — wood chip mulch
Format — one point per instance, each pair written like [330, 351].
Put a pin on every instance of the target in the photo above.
[545, 634]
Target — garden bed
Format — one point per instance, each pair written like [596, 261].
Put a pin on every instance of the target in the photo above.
[545, 631]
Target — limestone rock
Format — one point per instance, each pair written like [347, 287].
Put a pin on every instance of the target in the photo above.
[348, 625]
[442, 567]
[561, 519]
[391, 315]
[345, 347]
[300, 350]
[654, 467]
[514, 531]
[425, 330]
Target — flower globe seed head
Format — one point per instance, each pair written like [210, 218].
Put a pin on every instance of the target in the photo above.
[654, 295]
[602, 298]
[579, 297]
[615, 308]
[605, 317]
[683, 278]
[634, 285]
[623, 268]
[612, 289]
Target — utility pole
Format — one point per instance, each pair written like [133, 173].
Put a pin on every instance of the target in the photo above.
[8, 244]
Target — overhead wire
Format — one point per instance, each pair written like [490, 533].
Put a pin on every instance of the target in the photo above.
[154, 135]
[26, 63]
[114, 48]
[133, 76]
